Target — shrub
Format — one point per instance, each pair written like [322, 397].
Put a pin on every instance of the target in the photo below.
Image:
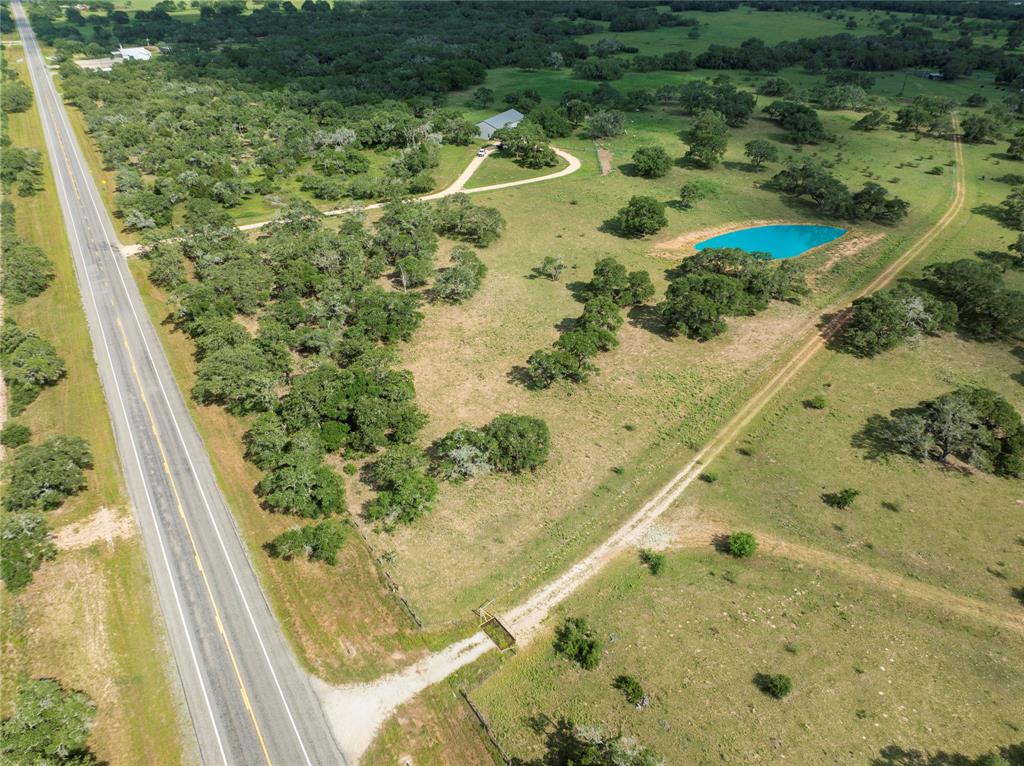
[842, 499]
[641, 216]
[405, 492]
[708, 477]
[464, 453]
[631, 688]
[303, 485]
[816, 402]
[29, 363]
[14, 434]
[460, 280]
[521, 443]
[457, 217]
[774, 684]
[318, 542]
[49, 726]
[266, 441]
[551, 267]
[653, 560]
[575, 641]
[742, 544]
[26, 271]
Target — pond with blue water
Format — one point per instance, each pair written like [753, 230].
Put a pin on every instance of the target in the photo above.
[780, 241]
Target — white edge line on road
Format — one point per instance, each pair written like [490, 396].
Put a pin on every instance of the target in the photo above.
[69, 220]
[119, 265]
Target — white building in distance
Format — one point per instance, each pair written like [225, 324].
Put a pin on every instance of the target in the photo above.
[507, 119]
[132, 54]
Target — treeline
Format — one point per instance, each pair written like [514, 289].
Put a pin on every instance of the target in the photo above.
[609, 291]
[910, 47]
[36, 477]
[967, 295]
[981, 9]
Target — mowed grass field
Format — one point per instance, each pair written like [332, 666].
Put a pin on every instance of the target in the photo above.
[892, 618]
[90, 617]
[939, 526]
[870, 669]
[655, 399]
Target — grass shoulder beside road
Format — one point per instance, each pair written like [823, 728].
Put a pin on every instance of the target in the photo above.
[90, 617]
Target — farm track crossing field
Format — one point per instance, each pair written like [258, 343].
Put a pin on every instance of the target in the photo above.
[848, 603]
[653, 401]
[870, 669]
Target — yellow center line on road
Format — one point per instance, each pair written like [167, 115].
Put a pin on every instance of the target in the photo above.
[166, 466]
[192, 542]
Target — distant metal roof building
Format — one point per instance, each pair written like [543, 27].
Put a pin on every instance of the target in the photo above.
[507, 119]
[133, 54]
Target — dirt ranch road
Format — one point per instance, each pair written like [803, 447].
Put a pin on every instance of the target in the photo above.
[357, 711]
[459, 185]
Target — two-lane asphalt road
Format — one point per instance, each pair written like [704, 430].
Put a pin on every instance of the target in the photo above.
[249, 702]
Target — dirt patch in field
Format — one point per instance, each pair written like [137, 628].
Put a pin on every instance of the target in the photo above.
[845, 249]
[604, 156]
[106, 525]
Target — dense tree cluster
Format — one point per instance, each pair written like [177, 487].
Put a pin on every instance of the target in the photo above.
[29, 364]
[925, 114]
[18, 165]
[908, 47]
[25, 270]
[884, 320]
[986, 308]
[720, 96]
[610, 290]
[975, 425]
[807, 178]
[716, 283]
[509, 443]
[49, 726]
[527, 145]
[800, 122]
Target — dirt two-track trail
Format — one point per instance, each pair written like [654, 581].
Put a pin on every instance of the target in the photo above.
[371, 703]
[524, 619]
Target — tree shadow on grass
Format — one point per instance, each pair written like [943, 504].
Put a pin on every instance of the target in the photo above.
[878, 438]
[645, 317]
[999, 259]
[994, 212]
[519, 375]
[1018, 352]
[894, 755]
[744, 167]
